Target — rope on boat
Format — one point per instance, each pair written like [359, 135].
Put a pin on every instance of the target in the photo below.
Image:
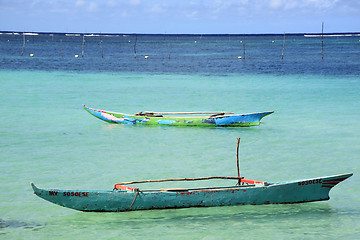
[137, 193]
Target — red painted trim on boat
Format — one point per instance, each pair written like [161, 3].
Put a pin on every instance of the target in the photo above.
[251, 181]
[123, 187]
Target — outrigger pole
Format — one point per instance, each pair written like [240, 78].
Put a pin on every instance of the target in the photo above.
[180, 179]
[173, 113]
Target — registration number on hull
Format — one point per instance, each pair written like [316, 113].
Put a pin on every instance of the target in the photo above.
[308, 182]
[76, 194]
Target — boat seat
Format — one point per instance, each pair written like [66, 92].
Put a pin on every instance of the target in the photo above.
[216, 115]
[125, 188]
[148, 114]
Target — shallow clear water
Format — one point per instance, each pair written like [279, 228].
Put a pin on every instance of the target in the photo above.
[47, 138]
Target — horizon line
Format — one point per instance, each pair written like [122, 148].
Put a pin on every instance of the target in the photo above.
[177, 34]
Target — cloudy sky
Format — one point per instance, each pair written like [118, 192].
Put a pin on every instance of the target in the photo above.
[180, 16]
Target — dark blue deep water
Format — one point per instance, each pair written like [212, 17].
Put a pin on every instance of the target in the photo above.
[213, 54]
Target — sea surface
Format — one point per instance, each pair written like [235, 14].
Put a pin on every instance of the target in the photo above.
[47, 138]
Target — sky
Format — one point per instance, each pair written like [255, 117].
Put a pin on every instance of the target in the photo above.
[180, 16]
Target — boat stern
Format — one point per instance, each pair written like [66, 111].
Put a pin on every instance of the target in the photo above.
[62, 198]
[49, 195]
[34, 187]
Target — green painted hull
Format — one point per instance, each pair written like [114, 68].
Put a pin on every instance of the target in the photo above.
[252, 193]
[237, 120]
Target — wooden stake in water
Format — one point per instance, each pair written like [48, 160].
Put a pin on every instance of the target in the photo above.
[322, 40]
[61, 48]
[169, 50]
[135, 46]
[244, 47]
[237, 161]
[102, 55]
[22, 53]
[83, 44]
[282, 55]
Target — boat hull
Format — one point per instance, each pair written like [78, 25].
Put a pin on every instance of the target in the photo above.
[309, 190]
[239, 120]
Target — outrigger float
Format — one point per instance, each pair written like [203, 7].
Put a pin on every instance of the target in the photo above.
[245, 192]
[208, 119]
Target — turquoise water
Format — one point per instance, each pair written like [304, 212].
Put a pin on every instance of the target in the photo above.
[47, 138]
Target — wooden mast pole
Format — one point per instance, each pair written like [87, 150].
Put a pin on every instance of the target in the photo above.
[237, 161]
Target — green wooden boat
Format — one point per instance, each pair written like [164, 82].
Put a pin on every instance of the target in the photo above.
[244, 192]
[206, 119]
[124, 198]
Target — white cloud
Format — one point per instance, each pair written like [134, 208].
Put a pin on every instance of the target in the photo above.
[80, 3]
[220, 5]
[134, 2]
[156, 9]
[291, 5]
[275, 4]
[89, 6]
[111, 3]
[34, 3]
[320, 3]
[193, 15]
[92, 7]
